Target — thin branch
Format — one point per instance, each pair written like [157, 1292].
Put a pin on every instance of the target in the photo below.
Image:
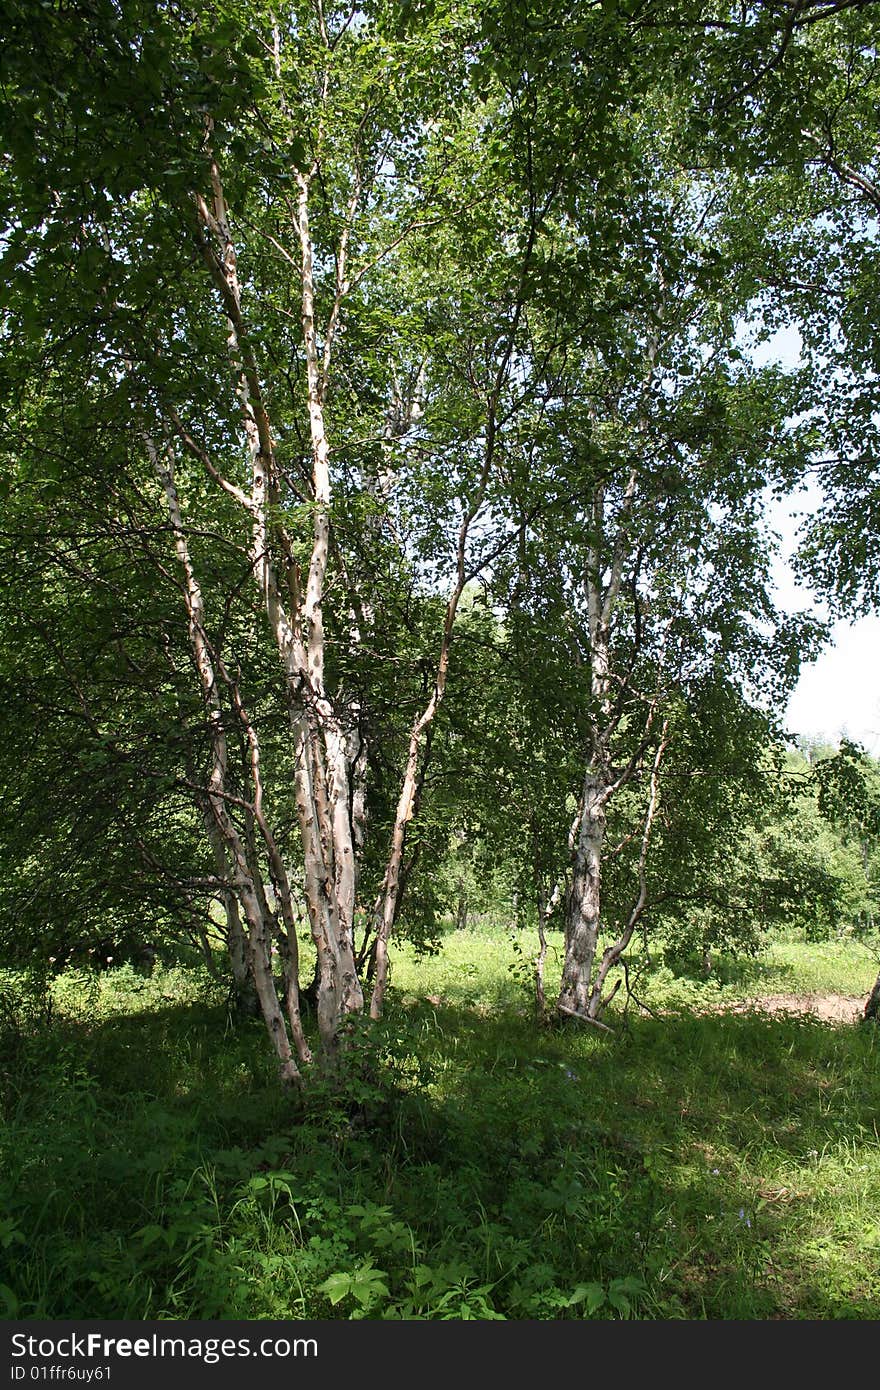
[198, 452]
[583, 1018]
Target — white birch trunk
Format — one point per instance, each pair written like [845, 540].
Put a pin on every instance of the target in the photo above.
[613, 953]
[236, 940]
[584, 897]
[583, 902]
[320, 766]
[385, 912]
[248, 892]
[334, 873]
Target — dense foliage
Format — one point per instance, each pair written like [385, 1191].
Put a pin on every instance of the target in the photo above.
[387, 627]
[385, 478]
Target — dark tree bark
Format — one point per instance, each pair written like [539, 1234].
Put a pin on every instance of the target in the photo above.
[872, 1008]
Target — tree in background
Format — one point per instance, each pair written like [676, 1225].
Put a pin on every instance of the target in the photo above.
[849, 797]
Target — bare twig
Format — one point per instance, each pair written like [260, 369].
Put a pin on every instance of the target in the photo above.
[584, 1018]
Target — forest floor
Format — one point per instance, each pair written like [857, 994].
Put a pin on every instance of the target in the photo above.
[710, 1159]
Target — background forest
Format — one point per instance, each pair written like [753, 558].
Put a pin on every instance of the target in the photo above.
[399, 813]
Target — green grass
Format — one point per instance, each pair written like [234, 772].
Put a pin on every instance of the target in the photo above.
[838, 967]
[696, 1164]
[490, 969]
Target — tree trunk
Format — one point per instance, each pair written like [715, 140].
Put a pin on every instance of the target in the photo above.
[246, 1002]
[248, 889]
[321, 771]
[578, 994]
[339, 989]
[872, 1008]
[583, 900]
[461, 916]
[543, 913]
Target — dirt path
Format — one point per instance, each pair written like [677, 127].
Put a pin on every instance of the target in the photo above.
[831, 1008]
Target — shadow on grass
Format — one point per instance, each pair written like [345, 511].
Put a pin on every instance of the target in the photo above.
[726, 1166]
[740, 973]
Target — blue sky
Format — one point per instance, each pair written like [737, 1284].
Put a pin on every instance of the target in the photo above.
[840, 692]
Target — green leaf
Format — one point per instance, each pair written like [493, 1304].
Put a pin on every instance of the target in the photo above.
[148, 1235]
[368, 1285]
[592, 1295]
[337, 1287]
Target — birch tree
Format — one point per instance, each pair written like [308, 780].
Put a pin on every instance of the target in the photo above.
[350, 306]
[218, 298]
[645, 550]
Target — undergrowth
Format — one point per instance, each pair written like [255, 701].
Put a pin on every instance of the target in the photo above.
[476, 1166]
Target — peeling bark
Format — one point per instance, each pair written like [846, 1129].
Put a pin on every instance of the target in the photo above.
[320, 766]
[583, 900]
[248, 890]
